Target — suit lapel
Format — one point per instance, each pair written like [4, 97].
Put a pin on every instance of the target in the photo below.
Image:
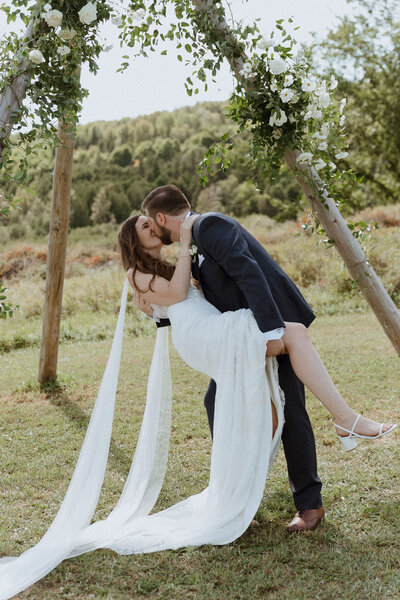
[195, 265]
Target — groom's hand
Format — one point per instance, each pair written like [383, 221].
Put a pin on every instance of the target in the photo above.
[275, 348]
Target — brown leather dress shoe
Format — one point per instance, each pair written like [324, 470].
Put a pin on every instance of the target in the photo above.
[307, 519]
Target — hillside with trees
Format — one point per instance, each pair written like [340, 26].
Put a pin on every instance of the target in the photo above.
[116, 163]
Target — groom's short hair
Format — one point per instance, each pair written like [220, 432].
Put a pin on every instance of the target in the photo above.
[167, 199]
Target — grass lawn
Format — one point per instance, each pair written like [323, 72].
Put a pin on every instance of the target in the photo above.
[355, 554]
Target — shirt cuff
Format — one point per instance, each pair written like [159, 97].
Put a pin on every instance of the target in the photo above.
[274, 334]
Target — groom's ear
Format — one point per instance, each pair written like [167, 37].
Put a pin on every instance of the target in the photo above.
[161, 219]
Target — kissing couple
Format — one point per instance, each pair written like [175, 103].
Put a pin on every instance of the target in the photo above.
[244, 324]
[240, 289]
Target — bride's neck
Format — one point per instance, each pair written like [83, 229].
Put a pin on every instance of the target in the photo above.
[155, 253]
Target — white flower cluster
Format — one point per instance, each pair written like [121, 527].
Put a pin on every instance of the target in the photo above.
[289, 82]
[319, 100]
[54, 18]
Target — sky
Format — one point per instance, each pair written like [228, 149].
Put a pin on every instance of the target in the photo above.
[157, 83]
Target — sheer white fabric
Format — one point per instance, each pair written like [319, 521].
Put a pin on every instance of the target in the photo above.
[229, 348]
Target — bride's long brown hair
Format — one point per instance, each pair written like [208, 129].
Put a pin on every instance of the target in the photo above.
[134, 257]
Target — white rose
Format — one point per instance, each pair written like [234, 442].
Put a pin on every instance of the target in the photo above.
[286, 95]
[274, 120]
[308, 85]
[323, 146]
[53, 18]
[116, 21]
[246, 70]
[67, 34]
[340, 155]
[288, 80]
[313, 113]
[36, 57]
[63, 50]
[320, 164]
[316, 114]
[274, 87]
[137, 15]
[282, 119]
[277, 66]
[324, 100]
[333, 84]
[332, 166]
[47, 7]
[88, 13]
[321, 89]
[265, 43]
[325, 129]
[304, 157]
[342, 105]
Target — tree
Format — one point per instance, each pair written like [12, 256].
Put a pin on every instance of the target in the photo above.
[101, 208]
[122, 156]
[363, 53]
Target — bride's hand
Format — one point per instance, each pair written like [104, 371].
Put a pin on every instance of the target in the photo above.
[141, 303]
[186, 229]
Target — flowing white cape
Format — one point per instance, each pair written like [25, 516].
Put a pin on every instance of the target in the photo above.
[241, 456]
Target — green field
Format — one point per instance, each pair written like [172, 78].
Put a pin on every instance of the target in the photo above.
[355, 554]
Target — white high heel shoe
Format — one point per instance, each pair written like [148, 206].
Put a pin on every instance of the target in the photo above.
[350, 442]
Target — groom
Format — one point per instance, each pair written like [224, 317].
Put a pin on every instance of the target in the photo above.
[236, 272]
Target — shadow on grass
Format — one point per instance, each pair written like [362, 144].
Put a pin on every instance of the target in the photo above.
[57, 393]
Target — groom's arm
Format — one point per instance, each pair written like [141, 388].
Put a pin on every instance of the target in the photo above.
[224, 242]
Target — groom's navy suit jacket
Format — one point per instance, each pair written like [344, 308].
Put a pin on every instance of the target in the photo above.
[237, 272]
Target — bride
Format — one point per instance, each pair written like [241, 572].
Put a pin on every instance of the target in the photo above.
[228, 347]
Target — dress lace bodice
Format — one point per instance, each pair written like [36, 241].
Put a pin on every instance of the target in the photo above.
[161, 312]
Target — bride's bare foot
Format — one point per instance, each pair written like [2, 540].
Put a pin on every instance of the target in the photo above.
[364, 427]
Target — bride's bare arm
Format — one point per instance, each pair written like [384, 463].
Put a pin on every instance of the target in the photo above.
[164, 292]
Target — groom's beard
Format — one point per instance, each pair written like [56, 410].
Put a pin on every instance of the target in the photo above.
[165, 235]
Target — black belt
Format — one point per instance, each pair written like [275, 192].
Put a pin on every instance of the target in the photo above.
[163, 323]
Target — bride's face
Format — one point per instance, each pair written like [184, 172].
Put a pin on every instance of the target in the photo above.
[147, 238]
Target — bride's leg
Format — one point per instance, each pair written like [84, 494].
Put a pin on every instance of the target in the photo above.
[310, 369]
[274, 418]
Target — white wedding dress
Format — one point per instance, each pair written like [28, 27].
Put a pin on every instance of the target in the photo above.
[227, 347]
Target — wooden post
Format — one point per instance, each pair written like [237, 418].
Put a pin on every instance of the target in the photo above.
[56, 255]
[350, 250]
[12, 97]
[325, 210]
